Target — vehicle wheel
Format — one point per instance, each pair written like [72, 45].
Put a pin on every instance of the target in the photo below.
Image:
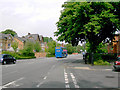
[4, 62]
[14, 62]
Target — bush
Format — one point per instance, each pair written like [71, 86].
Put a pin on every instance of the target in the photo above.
[49, 55]
[101, 62]
[97, 56]
[108, 56]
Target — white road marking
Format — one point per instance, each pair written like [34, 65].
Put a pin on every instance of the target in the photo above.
[39, 84]
[66, 80]
[2, 87]
[45, 77]
[74, 81]
[13, 82]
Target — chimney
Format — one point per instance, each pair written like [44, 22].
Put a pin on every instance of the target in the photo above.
[28, 33]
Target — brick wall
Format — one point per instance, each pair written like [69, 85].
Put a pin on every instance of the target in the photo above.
[20, 43]
[40, 54]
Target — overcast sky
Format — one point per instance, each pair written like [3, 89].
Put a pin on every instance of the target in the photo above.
[34, 16]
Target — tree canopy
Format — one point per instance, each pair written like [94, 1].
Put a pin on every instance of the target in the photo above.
[9, 31]
[47, 39]
[94, 22]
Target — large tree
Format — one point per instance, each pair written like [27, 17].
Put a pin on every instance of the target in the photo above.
[94, 22]
[9, 31]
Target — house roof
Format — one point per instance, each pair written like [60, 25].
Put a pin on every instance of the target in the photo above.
[32, 37]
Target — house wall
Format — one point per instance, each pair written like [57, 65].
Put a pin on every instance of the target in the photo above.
[20, 43]
[5, 43]
[115, 45]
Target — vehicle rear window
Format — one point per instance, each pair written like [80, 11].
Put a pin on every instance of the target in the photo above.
[1, 56]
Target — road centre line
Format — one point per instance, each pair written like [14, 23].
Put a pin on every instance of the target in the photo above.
[45, 77]
[13, 82]
[74, 81]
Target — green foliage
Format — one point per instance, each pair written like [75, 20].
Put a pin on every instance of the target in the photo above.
[101, 48]
[49, 55]
[90, 21]
[14, 45]
[47, 39]
[80, 48]
[28, 49]
[51, 47]
[101, 62]
[97, 56]
[9, 31]
[70, 48]
[17, 55]
[37, 47]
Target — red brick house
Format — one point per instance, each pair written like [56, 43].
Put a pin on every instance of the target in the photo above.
[114, 46]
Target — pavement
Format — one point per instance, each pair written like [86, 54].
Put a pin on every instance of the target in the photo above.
[70, 72]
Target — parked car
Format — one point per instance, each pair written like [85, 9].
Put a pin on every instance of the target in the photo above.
[117, 64]
[5, 58]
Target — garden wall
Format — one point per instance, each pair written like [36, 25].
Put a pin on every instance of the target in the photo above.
[40, 54]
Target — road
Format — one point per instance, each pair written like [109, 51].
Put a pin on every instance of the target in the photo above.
[70, 72]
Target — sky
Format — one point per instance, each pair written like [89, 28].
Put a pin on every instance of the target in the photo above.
[30, 16]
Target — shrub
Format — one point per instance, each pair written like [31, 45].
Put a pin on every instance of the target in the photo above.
[50, 55]
[101, 62]
[97, 56]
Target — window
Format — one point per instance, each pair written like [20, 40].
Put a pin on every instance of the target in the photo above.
[8, 45]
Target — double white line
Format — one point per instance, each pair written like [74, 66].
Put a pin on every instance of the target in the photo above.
[67, 81]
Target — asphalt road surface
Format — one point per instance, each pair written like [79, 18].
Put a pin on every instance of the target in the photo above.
[70, 72]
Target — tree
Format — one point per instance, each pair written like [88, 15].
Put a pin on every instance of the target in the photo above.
[79, 48]
[70, 48]
[9, 31]
[93, 22]
[28, 49]
[51, 47]
[47, 39]
[37, 46]
[14, 45]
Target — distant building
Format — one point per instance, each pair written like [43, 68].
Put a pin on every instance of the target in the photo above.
[30, 37]
[114, 46]
[5, 42]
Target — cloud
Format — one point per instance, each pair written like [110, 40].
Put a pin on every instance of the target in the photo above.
[35, 16]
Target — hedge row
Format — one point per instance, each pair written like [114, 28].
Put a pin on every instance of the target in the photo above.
[17, 55]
